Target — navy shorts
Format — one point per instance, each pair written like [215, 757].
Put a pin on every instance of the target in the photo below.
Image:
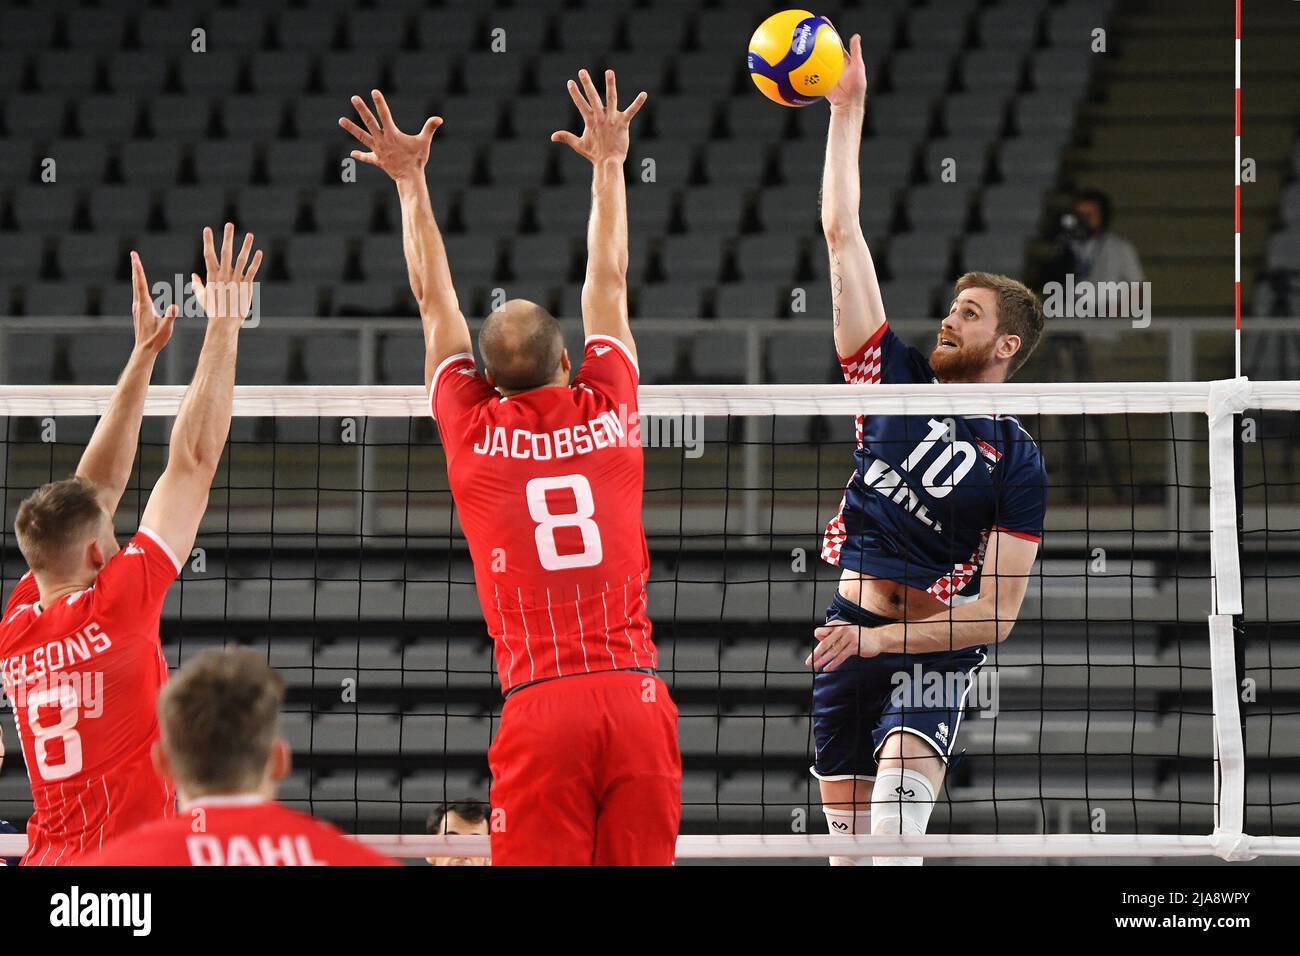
[865, 699]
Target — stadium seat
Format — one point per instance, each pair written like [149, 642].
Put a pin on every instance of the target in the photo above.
[474, 259]
[35, 116]
[26, 28]
[656, 353]
[90, 257]
[1043, 112]
[401, 359]
[314, 30]
[149, 162]
[295, 164]
[209, 75]
[70, 73]
[30, 358]
[22, 255]
[79, 163]
[280, 71]
[661, 301]
[1011, 205]
[770, 257]
[690, 258]
[188, 209]
[258, 117]
[909, 298]
[542, 258]
[223, 162]
[801, 358]
[687, 119]
[180, 117]
[267, 210]
[1008, 28]
[378, 30]
[445, 26]
[563, 211]
[45, 208]
[716, 210]
[318, 258]
[1025, 162]
[938, 29]
[346, 209]
[291, 299]
[97, 358]
[944, 206]
[526, 163]
[649, 30]
[331, 360]
[748, 300]
[918, 72]
[95, 29]
[368, 298]
[1063, 70]
[735, 163]
[999, 252]
[919, 255]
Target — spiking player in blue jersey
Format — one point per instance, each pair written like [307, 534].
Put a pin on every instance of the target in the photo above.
[937, 532]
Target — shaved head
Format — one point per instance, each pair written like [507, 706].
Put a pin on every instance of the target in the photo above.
[522, 347]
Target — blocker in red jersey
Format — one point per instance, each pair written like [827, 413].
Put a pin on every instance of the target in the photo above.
[221, 746]
[547, 476]
[79, 648]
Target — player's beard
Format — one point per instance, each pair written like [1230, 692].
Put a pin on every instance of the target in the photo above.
[965, 363]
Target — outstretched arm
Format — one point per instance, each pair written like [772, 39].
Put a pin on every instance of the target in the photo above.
[986, 620]
[110, 452]
[199, 434]
[856, 305]
[403, 157]
[604, 143]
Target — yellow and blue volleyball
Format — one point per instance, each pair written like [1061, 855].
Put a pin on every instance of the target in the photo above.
[795, 57]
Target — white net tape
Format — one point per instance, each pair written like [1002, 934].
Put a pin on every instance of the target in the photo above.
[1219, 401]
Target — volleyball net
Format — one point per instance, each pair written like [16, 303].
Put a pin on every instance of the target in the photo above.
[1146, 703]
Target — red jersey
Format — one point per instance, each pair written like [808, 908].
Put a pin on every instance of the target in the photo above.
[83, 677]
[547, 484]
[236, 831]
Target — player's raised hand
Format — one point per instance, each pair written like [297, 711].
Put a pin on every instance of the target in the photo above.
[399, 154]
[605, 127]
[152, 331]
[851, 90]
[227, 293]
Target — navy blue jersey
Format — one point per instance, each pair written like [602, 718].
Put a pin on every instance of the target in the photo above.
[929, 490]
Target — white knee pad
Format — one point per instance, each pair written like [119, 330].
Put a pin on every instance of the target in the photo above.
[901, 803]
[849, 822]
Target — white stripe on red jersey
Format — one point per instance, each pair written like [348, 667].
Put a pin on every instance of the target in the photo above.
[548, 487]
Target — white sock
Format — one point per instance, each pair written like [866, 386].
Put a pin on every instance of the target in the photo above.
[848, 821]
[901, 803]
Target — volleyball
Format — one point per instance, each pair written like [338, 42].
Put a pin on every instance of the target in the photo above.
[795, 57]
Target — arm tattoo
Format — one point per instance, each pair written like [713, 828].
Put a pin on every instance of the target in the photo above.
[837, 287]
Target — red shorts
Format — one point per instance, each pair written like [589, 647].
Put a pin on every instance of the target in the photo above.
[586, 770]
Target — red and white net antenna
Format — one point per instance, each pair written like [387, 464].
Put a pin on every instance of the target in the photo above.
[1236, 229]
